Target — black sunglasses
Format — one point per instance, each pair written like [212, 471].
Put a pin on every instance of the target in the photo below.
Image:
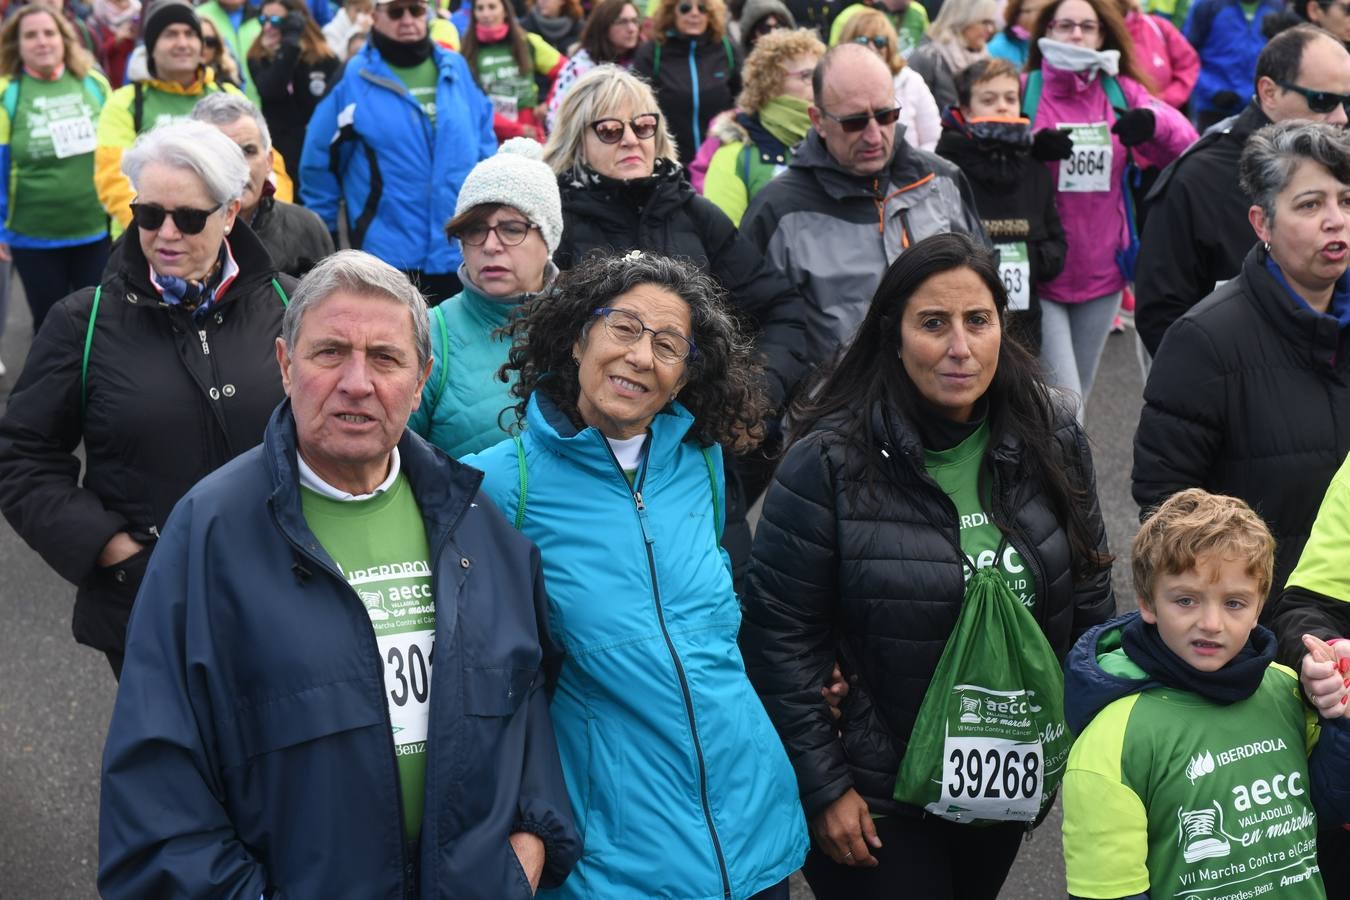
[418, 10]
[1318, 101]
[881, 42]
[854, 124]
[212, 42]
[151, 216]
[610, 131]
[687, 8]
[274, 21]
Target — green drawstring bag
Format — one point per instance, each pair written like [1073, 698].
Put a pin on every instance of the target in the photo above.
[990, 743]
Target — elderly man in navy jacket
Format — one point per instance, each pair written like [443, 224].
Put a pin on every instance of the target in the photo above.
[281, 730]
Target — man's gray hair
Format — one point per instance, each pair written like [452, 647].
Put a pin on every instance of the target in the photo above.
[1272, 154]
[194, 147]
[223, 108]
[359, 273]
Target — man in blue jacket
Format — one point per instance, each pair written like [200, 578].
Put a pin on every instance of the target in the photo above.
[280, 729]
[1227, 35]
[394, 140]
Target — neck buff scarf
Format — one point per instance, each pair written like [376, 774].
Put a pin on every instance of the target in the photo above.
[956, 54]
[400, 53]
[786, 118]
[491, 34]
[1236, 681]
[1073, 58]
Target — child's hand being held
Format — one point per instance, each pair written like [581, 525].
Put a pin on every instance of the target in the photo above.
[1323, 676]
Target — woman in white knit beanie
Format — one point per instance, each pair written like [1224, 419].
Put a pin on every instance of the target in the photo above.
[508, 220]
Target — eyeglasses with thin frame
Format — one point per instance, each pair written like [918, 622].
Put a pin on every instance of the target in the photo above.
[879, 41]
[634, 21]
[151, 216]
[686, 8]
[610, 131]
[854, 124]
[625, 327]
[1068, 26]
[1321, 102]
[418, 10]
[510, 233]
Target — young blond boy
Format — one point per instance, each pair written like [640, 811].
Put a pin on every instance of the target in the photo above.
[1190, 774]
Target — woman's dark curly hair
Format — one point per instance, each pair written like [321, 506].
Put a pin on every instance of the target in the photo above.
[871, 374]
[723, 380]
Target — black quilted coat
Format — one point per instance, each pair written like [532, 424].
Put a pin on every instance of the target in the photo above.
[875, 579]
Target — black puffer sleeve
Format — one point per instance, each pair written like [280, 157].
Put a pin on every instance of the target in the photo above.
[787, 633]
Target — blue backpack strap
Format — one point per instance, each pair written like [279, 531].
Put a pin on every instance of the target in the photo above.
[11, 98]
[524, 480]
[716, 497]
[285, 301]
[656, 61]
[88, 344]
[1114, 94]
[94, 88]
[443, 338]
[1031, 97]
[731, 55]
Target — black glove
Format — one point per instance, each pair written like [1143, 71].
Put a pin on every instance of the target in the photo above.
[1135, 126]
[1049, 145]
[291, 28]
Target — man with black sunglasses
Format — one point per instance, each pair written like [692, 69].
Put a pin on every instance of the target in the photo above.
[394, 140]
[855, 196]
[1196, 232]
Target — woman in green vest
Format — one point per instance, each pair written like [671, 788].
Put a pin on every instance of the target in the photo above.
[50, 98]
[769, 120]
[508, 219]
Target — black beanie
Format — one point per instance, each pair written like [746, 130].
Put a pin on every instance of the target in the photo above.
[166, 14]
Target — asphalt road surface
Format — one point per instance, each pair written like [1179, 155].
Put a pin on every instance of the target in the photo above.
[56, 697]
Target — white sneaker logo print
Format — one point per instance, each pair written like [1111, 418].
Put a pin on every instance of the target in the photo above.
[1203, 764]
[1198, 835]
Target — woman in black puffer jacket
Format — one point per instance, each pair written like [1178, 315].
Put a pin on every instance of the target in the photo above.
[622, 190]
[931, 440]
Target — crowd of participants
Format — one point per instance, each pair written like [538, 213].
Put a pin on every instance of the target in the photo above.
[616, 273]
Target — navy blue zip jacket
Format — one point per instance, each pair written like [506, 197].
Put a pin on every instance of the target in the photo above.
[250, 751]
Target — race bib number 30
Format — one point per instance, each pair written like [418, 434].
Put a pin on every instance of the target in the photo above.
[1089, 168]
[1014, 267]
[991, 778]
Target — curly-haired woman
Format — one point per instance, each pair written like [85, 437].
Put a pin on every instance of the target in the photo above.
[630, 373]
[752, 143]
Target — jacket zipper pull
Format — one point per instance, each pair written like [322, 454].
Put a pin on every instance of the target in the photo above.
[206, 348]
[642, 515]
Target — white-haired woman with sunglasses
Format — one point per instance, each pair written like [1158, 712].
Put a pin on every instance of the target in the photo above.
[508, 221]
[693, 66]
[165, 371]
[623, 189]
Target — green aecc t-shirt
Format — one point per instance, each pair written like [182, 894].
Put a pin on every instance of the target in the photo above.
[380, 544]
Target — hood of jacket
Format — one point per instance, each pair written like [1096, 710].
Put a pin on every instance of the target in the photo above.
[1097, 672]
[757, 10]
[905, 168]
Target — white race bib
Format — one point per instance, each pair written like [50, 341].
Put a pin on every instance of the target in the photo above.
[407, 682]
[1014, 267]
[506, 107]
[1089, 168]
[991, 778]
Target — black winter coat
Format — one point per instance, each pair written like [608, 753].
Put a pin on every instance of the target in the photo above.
[295, 237]
[1015, 199]
[874, 578]
[694, 80]
[1196, 233]
[168, 401]
[1249, 396]
[290, 89]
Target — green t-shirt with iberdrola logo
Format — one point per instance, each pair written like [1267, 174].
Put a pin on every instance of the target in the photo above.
[509, 89]
[420, 80]
[957, 472]
[380, 545]
[1169, 793]
[51, 165]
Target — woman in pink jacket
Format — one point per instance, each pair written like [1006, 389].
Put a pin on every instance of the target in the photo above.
[1085, 88]
[1162, 54]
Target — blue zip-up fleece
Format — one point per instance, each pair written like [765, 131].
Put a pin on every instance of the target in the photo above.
[679, 784]
[1097, 672]
[1228, 45]
[250, 752]
[371, 145]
